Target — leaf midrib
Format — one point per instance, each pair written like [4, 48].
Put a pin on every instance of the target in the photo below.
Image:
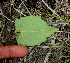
[33, 31]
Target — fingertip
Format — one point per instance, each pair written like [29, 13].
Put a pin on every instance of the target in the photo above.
[18, 51]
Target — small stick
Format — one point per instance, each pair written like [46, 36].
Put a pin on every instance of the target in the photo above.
[50, 8]
[27, 8]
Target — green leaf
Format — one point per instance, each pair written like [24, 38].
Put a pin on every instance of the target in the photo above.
[33, 30]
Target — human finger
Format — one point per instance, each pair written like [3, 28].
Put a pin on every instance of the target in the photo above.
[12, 51]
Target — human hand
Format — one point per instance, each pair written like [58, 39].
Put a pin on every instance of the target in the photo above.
[12, 51]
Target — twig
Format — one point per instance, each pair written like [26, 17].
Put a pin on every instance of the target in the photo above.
[3, 14]
[50, 8]
[6, 17]
[19, 11]
[26, 8]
